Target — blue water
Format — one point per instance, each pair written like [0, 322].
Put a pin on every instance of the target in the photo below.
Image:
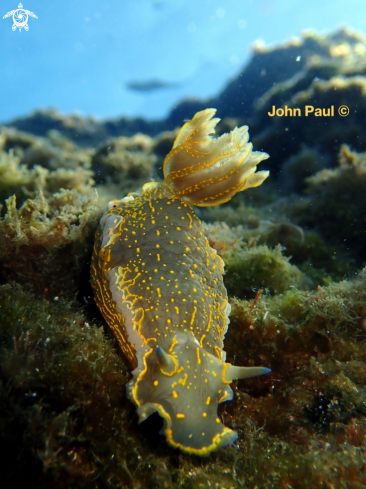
[79, 56]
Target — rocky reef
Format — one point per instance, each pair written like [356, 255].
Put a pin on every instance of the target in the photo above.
[295, 271]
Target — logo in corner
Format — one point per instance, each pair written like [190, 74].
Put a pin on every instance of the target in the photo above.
[20, 17]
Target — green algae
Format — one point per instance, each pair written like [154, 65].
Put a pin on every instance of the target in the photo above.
[53, 367]
[67, 422]
[260, 267]
[18, 179]
[46, 243]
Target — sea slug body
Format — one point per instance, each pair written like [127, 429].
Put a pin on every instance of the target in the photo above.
[158, 284]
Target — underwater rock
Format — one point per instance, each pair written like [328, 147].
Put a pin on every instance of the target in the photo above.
[274, 74]
[51, 153]
[293, 131]
[251, 265]
[62, 385]
[337, 205]
[83, 131]
[30, 164]
[259, 267]
[44, 243]
[123, 159]
[300, 166]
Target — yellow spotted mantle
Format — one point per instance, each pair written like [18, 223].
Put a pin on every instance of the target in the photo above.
[158, 283]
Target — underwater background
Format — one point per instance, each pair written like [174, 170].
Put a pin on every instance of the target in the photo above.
[92, 98]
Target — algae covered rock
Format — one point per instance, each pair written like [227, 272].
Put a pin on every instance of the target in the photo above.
[54, 366]
[261, 267]
[250, 266]
[338, 203]
[123, 158]
[44, 244]
[62, 384]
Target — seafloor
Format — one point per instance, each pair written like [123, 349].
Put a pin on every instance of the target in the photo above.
[295, 255]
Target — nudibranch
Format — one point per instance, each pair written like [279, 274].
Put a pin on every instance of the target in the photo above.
[159, 286]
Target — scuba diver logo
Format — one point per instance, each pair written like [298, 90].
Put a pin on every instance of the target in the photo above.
[20, 17]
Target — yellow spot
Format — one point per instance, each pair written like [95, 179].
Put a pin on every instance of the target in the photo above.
[204, 415]
[156, 383]
[175, 394]
[158, 291]
[157, 245]
[157, 232]
[180, 416]
[178, 228]
[208, 400]
[218, 420]
[158, 257]
[214, 373]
